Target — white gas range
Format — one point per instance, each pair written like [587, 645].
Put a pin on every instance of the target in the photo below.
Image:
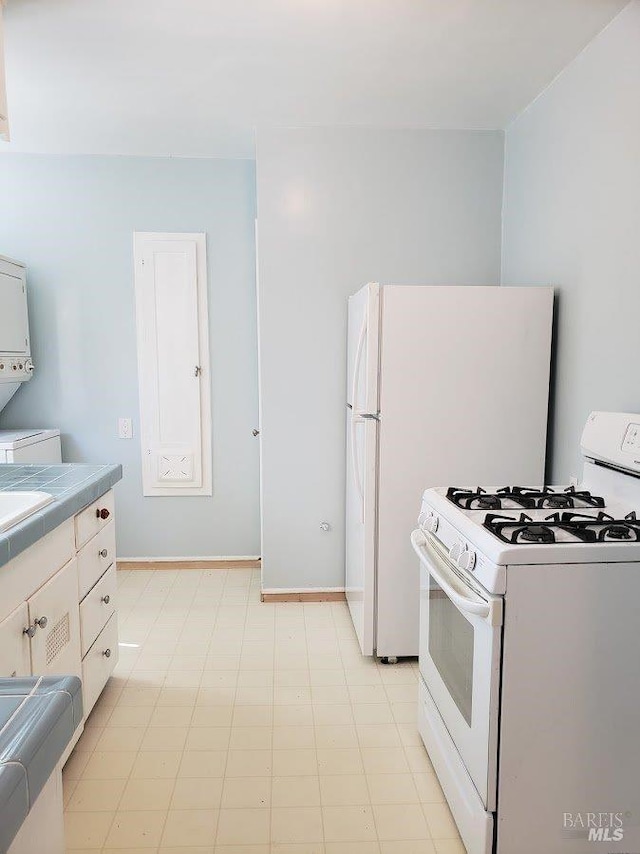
[529, 654]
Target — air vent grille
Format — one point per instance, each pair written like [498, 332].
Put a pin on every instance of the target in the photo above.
[58, 638]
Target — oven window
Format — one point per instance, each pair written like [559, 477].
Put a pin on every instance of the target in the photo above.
[451, 648]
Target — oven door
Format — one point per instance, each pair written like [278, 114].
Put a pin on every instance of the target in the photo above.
[460, 645]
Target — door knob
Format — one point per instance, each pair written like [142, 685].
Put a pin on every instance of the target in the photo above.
[255, 432]
[29, 631]
[103, 552]
[42, 622]
[103, 513]
[106, 599]
[107, 653]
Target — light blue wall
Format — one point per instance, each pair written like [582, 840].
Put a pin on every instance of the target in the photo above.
[71, 219]
[572, 219]
[338, 208]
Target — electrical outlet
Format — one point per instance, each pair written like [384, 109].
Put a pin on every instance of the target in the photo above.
[125, 428]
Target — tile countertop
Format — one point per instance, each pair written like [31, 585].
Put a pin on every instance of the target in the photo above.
[72, 485]
[38, 716]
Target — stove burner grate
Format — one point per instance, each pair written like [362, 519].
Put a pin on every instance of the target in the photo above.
[602, 528]
[529, 498]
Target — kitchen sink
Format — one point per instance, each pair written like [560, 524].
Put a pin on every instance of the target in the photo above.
[16, 506]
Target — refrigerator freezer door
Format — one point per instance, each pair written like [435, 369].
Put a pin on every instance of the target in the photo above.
[362, 350]
[361, 496]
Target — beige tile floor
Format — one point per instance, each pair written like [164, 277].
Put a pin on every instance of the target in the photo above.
[235, 727]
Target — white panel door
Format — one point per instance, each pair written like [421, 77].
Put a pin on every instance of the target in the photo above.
[173, 363]
[15, 655]
[55, 620]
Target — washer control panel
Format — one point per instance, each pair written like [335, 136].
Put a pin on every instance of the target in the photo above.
[631, 441]
[15, 368]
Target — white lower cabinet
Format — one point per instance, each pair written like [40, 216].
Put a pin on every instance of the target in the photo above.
[55, 621]
[99, 662]
[15, 653]
[65, 621]
[96, 608]
[99, 635]
[95, 557]
[94, 518]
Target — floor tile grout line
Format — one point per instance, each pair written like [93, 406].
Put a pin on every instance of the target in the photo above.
[129, 778]
[316, 629]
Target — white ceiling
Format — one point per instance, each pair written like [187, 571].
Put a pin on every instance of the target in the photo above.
[194, 77]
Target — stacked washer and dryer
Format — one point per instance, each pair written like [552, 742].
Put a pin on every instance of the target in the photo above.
[16, 367]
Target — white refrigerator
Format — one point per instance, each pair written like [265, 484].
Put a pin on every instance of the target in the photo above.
[447, 386]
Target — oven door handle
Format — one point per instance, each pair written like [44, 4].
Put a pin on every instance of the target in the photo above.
[434, 563]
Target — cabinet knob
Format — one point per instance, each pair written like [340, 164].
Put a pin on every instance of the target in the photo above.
[29, 631]
[103, 552]
[42, 622]
[102, 513]
[255, 432]
[106, 599]
[107, 653]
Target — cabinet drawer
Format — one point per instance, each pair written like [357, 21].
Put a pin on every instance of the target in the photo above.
[94, 518]
[95, 557]
[96, 608]
[98, 664]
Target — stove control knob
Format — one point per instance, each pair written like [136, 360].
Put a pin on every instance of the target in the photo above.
[432, 523]
[455, 551]
[428, 521]
[467, 560]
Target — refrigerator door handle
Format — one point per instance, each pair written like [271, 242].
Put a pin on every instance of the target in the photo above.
[355, 466]
[356, 364]
[356, 417]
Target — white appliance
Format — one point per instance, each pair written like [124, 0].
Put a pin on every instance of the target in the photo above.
[30, 446]
[16, 366]
[445, 384]
[529, 675]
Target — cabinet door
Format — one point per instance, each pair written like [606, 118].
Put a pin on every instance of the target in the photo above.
[55, 646]
[15, 658]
